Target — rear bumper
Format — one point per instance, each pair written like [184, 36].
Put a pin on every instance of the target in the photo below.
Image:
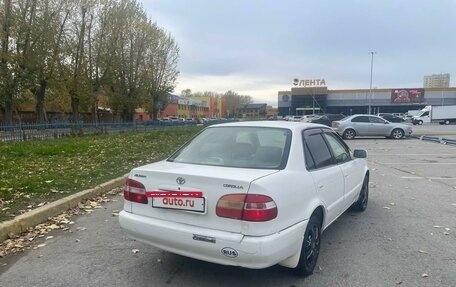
[224, 247]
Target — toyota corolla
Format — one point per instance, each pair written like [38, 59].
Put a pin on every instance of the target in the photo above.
[250, 194]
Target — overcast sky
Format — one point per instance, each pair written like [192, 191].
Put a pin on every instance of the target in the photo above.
[258, 47]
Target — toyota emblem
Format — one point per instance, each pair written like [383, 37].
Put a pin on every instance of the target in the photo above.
[180, 180]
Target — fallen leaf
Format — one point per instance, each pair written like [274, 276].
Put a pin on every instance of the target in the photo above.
[386, 207]
[437, 226]
[424, 275]
[446, 233]
[81, 228]
[41, 245]
[93, 203]
[447, 229]
[53, 226]
[54, 190]
[422, 251]
[49, 181]
[49, 237]
[392, 204]
[135, 251]
[78, 240]
[41, 204]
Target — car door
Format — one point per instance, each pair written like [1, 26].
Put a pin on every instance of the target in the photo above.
[378, 127]
[327, 175]
[352, 169]
[361, 125]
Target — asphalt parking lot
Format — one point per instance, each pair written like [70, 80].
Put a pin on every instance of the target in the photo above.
[406, 237]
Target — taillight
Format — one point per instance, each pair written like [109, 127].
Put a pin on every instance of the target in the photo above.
[247, 207]
[135, 191]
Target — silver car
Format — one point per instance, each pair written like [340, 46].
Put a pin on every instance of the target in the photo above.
[370, 125]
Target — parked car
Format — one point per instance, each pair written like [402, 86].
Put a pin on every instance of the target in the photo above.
[165, 121]
[327, 119]
[400, 115]
[245, 194]
[309, 118]
[392, 118]
[370, 125]
[295, 118]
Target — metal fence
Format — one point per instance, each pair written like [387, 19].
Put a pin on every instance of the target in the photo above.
[25, 132]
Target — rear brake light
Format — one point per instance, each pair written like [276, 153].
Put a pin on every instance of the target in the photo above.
[247, 207]
[135, 191]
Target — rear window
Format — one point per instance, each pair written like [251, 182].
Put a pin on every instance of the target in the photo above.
[243, 147]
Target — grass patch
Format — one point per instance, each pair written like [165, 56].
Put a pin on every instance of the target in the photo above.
[38, 171]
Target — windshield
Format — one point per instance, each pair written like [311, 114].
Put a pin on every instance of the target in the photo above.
[244, 147]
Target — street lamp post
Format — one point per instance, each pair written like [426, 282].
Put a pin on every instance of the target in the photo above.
[370, 86]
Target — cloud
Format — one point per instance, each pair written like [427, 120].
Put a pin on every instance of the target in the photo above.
[258, 47]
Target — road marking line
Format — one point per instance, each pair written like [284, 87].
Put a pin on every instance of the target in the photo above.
[426, 177]
[423, 163]
[413, 154]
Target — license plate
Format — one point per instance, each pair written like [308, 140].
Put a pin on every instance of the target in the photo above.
[196, 204]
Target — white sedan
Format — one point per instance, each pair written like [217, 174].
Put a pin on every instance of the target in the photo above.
[250, 194]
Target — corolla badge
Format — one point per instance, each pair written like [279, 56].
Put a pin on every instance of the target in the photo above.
[180, 180]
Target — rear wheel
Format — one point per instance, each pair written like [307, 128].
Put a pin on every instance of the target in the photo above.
[447, 122]
[349, 134]
[310, 247]
[420, 122]
[361, 203]
[397, 134]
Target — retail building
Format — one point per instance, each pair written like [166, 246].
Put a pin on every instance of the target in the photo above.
[319, 99]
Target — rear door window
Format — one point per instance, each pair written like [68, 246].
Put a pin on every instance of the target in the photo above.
[360, 119]
[317, 154]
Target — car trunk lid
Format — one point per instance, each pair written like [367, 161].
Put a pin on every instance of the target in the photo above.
[175, 185]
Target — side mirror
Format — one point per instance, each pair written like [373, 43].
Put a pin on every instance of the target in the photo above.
[360, 153]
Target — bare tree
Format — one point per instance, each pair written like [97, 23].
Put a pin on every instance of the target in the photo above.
[161, 64]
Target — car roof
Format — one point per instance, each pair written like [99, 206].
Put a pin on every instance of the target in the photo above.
[297, 126]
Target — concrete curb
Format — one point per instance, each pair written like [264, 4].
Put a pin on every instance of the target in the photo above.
[41, 214]
[438, 139]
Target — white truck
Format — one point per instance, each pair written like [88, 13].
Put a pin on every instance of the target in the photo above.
[441, 114]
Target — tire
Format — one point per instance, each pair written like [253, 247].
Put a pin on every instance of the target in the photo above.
[310, 247]
[349, 134]
[420, 122]
[397, 134]
[361, 204]
[447, 122]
